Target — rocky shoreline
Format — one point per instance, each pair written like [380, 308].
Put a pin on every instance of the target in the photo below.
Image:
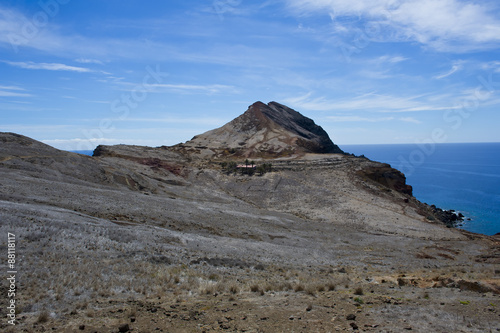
[450, 217]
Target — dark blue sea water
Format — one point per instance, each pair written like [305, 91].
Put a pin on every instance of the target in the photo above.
[460, 176]
[83, 152]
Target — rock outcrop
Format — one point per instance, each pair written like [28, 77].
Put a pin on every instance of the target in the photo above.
[271, 130]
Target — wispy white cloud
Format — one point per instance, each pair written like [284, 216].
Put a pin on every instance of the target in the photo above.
[91, 140]
[410, 120]
[179, 120]
[216, 48]
[390, 59]
[455, 68]
[477, 97]
[12, 88]
[359, 119]
[48, 66]
[429, 108]
[372, 119]
[89, 61]
[18, 30]
[24, 128]
[190, 88]
[374, 74]
[13, 91]
[86, 100]
[490, 66]
[442, 24]
[4, 93]
[370, 102]
[210, 87]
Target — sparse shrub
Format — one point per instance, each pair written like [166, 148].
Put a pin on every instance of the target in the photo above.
[286, 286]
[330, 286]
[358, 291]
[358, 300]
[213, 288]
[299, 287]
[192, 283]
[255, 288]
[104, 293]
[209, 289]
[221, 287]
[269, 287]
[43, 317]
[311, 290]
[233, 288]
[83, 305]
[260, 267]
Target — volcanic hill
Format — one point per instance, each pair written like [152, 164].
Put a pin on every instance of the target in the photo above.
[271, 130]
[172, 239]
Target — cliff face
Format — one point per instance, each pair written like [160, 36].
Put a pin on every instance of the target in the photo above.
[385, 175]
[270, 130]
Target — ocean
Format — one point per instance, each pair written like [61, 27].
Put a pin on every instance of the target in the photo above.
[83, 152]
[460, 176]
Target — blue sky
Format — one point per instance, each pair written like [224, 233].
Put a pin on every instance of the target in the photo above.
[75, 74]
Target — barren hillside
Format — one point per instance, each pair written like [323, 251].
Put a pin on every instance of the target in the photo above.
[172, 239]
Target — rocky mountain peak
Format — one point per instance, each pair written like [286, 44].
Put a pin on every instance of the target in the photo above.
[264, 130]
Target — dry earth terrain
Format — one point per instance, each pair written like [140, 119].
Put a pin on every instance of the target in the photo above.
[166, 240]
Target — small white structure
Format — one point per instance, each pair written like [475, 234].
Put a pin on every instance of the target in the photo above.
[243, 166]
